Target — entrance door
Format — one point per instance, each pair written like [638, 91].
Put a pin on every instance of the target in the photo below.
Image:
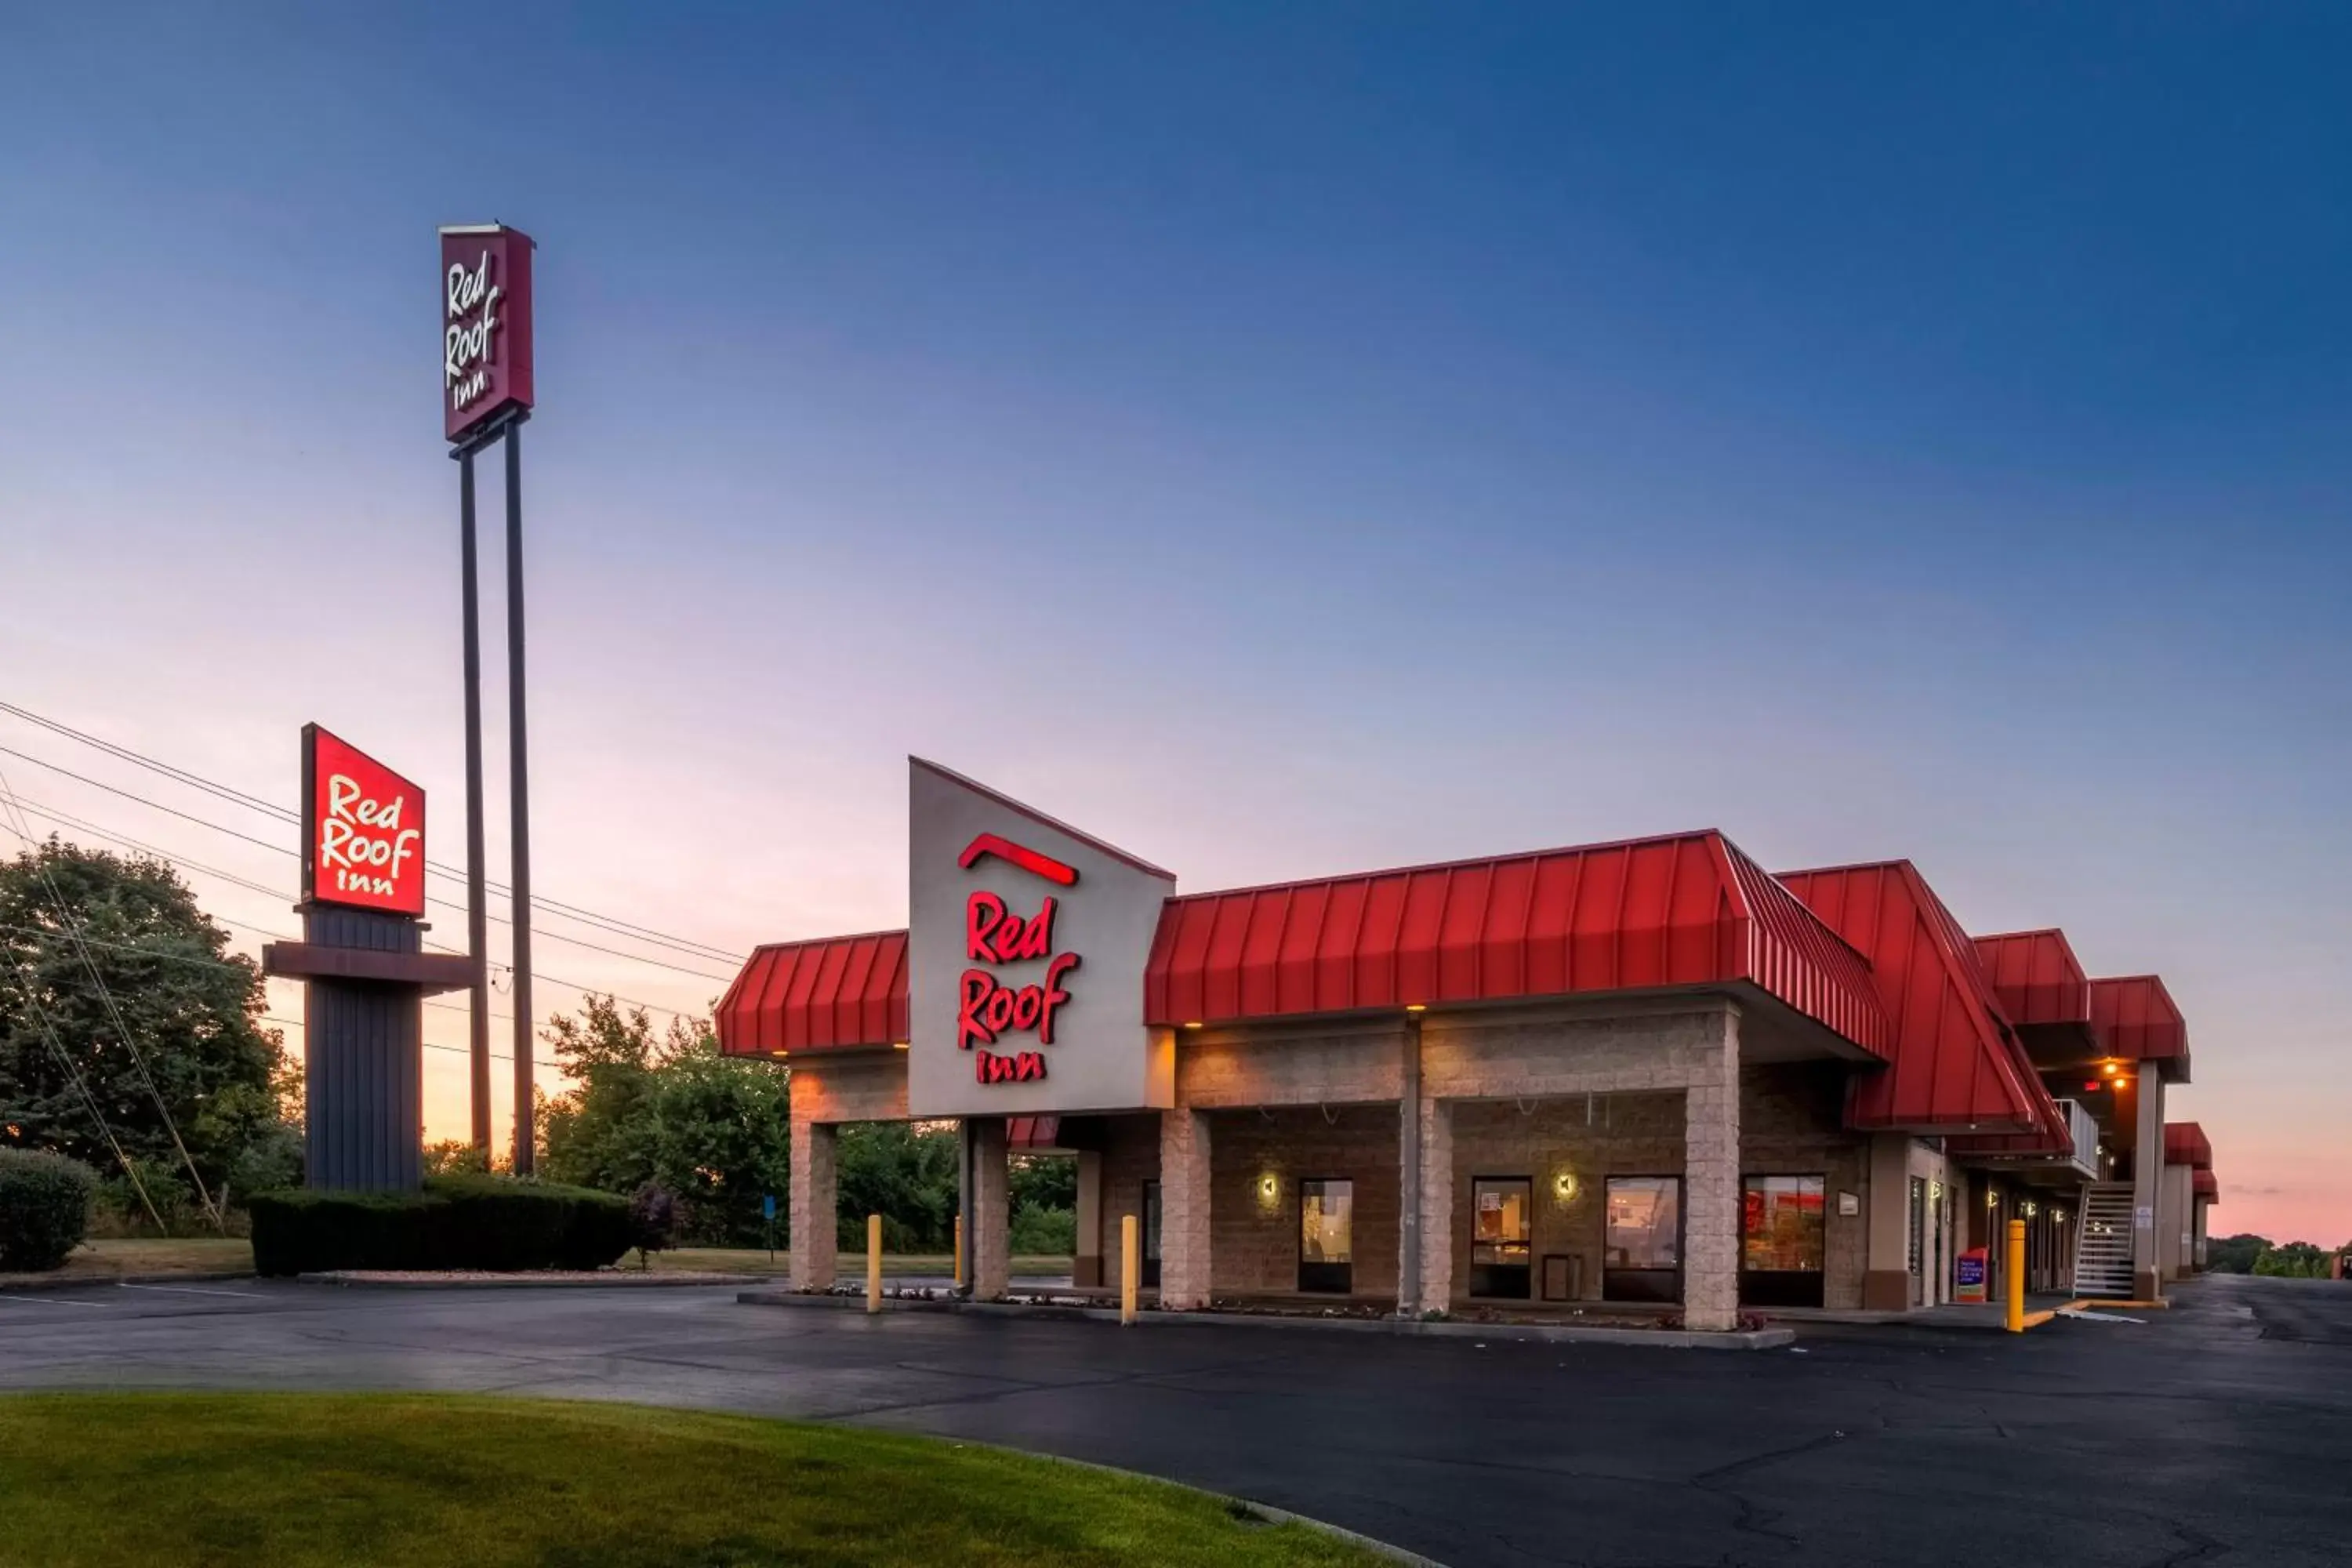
[1327, 1236]
[1500, 1208]
[1641, 1247]
[1149, 1272]
[1783, 1245]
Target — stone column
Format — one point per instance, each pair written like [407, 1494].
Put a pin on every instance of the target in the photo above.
[813, 1201]
[992, 1257]
[1086, 1256]
[2147, 1183]
[1886, 1267]
[1409, 1220]
[1185, 1264]
[1436, 1205]
[1711, 1208]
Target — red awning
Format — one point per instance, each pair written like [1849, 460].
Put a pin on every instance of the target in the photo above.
[1690, 910]
[2035, 977]
[2136, 1019]
[2185, 1143]
[2205, 1185]
[1032, 1132]
[1956, 1064]
[830, 993]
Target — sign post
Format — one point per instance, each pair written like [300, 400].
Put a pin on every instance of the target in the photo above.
[488, 392]
[361, 957]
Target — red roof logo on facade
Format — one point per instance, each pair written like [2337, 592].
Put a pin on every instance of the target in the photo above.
[1028, 860]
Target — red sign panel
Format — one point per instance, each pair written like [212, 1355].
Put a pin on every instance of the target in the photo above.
[362, 830]
[996, 933]
[485, 325]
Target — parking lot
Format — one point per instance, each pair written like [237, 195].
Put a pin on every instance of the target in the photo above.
[2219, 1432]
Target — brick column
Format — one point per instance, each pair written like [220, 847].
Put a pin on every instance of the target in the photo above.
[992, 1260]
[1185, 1272]
[1711, 1187]
[813, 1226]
[1436, 1205]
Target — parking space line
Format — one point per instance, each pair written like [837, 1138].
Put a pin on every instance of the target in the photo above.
[192, 1290]
[50, 1302]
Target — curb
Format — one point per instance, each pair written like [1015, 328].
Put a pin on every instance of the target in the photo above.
[365, 1279]
[12, 1283]
[1550, 1333]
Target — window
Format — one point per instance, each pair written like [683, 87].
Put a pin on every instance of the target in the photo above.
[1500, 1211]
[1783, 1245]
[1642, 1249]
[1326, 1235]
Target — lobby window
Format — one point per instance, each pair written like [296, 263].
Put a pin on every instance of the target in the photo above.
[1641, 1251]
[1500, 1210]
[1326, 1236]
[1783, 1246]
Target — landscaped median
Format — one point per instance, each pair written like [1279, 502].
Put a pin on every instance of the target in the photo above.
[114, 1480]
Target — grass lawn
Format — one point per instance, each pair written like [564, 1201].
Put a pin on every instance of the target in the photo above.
[107, 1480]
[178, 1254]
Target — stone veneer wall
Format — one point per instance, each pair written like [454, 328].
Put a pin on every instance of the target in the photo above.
[866, 1086]
[1627, 1135]
[1792, 1123]
[1130, 1157]
[1255, 1238]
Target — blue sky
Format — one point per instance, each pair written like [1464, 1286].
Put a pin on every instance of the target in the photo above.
[1282, 439]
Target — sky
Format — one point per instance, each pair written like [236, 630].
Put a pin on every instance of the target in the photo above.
[1282, 440]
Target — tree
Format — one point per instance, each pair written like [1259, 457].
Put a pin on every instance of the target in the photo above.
[2235, 1254]
[165, 978]
[2292, 1260]
[668, 1111]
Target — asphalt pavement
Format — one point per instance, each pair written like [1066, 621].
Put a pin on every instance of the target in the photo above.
[2216, 1433]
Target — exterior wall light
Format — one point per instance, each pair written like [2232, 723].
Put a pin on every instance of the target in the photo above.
[1993, 1199]
[2031, 1210]
[1564, 1187]
[1269, 1190]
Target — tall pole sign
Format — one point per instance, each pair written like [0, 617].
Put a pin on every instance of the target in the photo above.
[486, 393]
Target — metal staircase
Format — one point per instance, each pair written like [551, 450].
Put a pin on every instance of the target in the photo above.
[2103, 1251]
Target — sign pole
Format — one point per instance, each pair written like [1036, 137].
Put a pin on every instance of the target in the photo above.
[518, 762]
[476, 907]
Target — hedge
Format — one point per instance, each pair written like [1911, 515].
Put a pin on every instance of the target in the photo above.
[44, 1208]
[456, 1222]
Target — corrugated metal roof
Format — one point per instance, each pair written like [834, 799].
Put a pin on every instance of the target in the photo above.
[829, 993]
[2136, 1019]
[2205, 1185]
[2185, 1143]
[1956, 1063]
[1687, 910]
[2035, 977]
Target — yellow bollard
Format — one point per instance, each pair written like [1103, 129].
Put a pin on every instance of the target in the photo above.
[874, 1262]
[2016, 1324]
[1130, 1265]
[958, 1251]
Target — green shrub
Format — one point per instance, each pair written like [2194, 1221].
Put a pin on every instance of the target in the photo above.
[45, 1202]
[456, 1222]
[1040, 1232]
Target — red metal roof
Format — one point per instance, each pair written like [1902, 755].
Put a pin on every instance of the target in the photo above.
[2205, 1185]
[1956, 1063]
[2136, 1019]
[2035, 977]
[1688, 909]
[829, 993]
[2185, 1143]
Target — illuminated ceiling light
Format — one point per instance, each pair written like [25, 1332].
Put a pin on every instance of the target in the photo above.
[1191, 1023]
[1416, 1006]
[898, 1045]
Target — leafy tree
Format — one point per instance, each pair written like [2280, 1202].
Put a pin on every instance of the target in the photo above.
[907, 1174]
[668, 1110]
[2235, 1254]
[193, 1008]
[2295, 1260]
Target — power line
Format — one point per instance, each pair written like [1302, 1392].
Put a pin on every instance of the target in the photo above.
[51, 815]
[613, 924]
[72, 922]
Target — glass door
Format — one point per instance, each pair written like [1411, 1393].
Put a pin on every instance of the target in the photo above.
[1326, 1236]
[1783, 1248]
[1500, 1210]
[1150, 1269]
[1642, 1250]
